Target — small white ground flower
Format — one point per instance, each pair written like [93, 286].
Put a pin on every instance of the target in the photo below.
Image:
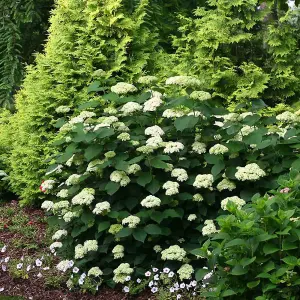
[132, 221]
[122, 88]
[171, 187]
[251, 172]
[236, 200]
[226, 184]
[200, 95]
[180, 174]
[183, 81]
[102, 208]
[154, 131]
[118, 251]
[209, 228]
[121, 273]
[197, 198]
[173, 147]
[185, 272]
[130, 108]
[199, 148]
[173, 253]
[204, 181]
[95, 271]
[59, 234]
[151, 201]
[152, 104]
[192, 217]
[218, 149]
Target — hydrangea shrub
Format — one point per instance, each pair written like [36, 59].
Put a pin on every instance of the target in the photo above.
[255, 254]
[141, 175]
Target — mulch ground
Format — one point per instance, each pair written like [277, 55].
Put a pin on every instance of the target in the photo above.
[34, 288]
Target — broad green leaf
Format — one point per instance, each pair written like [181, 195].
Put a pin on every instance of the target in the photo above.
[253, 284]
[235, 242]
[200, 273]
[158, 164]
[238, 270]
[157, 216]
[253, 138]
[153, 187]
[144, 178]
[186, 122]
[92, 151]
[228, 293]
[124, 232]
[112, 187]
[270, 248]
[217, 168]
[291, 260]
[136, 159]
[88, 218]
[89, 105]
[286, 245]
[139, 235]
[102, 226]
[93, 87]
[104, 132]
[78, 230]
[247, 261]
[152, 229]
[172, 213]
[265, 237]
[60, 122]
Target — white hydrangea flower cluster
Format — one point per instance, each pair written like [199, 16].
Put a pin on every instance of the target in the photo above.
[209, 228]
[154, 131]
[204, 181]
[102, 208]
[242, 116]
[185, 272]
[62, 109]
[124, 136]
[180, 174]
[152, 104]
[234, 199]
[54, 246]
[171, 187]
[95, 271]
[199, 148]
[231, 117]
[64, 193]
[47, 205]
[157, 248]
[120, 177]
[173, 253]
[60, 207]
[82, 117]
[226, 184]
[250, 172]
[169, 168]
[93, 166]
[192, 217]
[246, 130]
[183, 81]
[69, 216]
[118, 251]
[110, 111]
[64, 265]
[130, 108]
[173, 147]
[120, 126]
[218, 149]
[146, 149]
[102, 125]
[122, 272]
[85, 197]
[173, 113]
[155, 142]
[59, 234]
[73, 179]
[123, 88]
[200, 95]
[147, 79]
[47, 185]
[287, 117]
[88, 246]
[151, 201]
[133, 169]
[197, 198]
[110, 154]
[132, 221]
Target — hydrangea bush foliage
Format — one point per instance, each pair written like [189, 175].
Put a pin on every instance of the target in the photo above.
[257, 249]
[143, 172]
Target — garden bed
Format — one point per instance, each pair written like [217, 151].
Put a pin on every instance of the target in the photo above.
[25, 234]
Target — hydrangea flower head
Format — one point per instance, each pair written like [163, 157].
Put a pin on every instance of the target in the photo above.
[173, 253]
[236, 200]
[123, 88]
[200, 95]
[204, 181]
[132, 221]
[151, 201]
[251, 172]
[185, 272]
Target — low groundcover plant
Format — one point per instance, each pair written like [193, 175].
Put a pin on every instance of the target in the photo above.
[142, 174]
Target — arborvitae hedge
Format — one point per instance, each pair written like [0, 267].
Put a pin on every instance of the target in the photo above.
[84, 36]
[243, 50]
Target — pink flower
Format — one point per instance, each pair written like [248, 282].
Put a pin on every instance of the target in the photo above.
[285, 190]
